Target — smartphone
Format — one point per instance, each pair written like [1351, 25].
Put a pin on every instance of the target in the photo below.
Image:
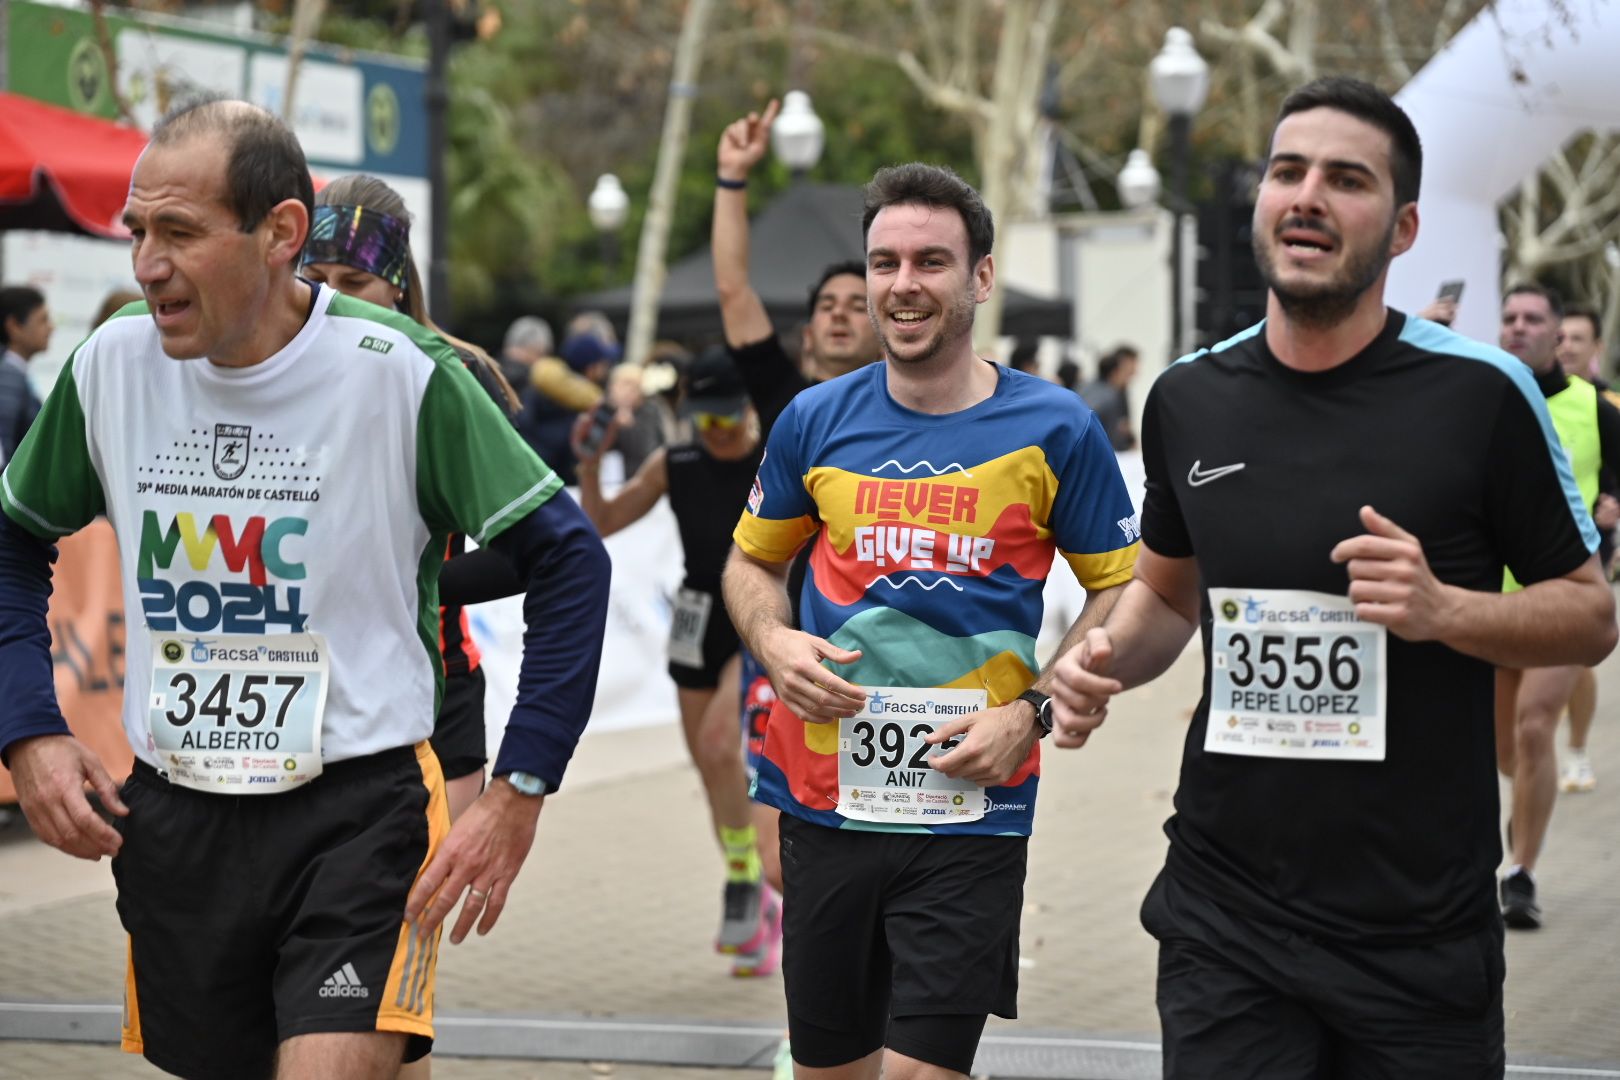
[596, 430]
[1451, 290]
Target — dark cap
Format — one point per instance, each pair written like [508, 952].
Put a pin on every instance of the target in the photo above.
[583, 350]
[714, 384]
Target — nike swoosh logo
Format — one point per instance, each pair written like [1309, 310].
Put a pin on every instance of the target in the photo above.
[1198, 479]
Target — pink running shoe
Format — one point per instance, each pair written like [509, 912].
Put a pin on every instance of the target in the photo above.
[768, 957]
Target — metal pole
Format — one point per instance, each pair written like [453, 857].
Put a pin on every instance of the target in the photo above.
[436, 96]
[1180, 129]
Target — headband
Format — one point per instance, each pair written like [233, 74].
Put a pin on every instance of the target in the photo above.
[367, 240]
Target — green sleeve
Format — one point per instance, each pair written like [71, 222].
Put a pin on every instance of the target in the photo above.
[50, 487]
[474, 473]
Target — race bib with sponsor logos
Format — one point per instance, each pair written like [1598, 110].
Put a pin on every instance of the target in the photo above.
[239, 714]
[1294, 674]
[687, 625]
[883, 770]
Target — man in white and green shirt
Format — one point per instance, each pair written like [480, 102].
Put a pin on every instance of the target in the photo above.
[282, 465]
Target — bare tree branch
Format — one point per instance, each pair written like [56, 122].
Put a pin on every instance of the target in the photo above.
[1390, 42]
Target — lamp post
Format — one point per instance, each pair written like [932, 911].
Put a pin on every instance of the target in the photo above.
[609, 208]
[1138, 181]
[798, 135]
[1180, 82]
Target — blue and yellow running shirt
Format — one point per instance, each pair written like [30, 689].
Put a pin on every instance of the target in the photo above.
[940, 532]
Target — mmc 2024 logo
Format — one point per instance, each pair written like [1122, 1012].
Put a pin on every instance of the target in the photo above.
[256, 547]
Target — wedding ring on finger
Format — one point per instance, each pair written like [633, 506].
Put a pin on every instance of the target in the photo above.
[480, 895]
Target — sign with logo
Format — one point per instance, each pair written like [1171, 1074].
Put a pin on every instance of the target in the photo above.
[884, 773]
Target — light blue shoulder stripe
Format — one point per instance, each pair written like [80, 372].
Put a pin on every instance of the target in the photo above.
[1432, 337]
[1236, 339]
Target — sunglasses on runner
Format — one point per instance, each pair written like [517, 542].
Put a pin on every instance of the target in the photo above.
[707, 421]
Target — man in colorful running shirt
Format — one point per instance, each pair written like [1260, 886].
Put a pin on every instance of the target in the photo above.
[900, 750]
[282, 465]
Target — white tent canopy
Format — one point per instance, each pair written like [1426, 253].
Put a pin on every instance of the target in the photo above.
[1504, 95]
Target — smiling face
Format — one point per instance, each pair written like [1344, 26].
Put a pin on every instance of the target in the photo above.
[209, 284]
[921, 290]
[1326, 223]
[839, 333]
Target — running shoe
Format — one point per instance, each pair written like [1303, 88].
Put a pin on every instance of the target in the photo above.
[743, 927]
[1577, 775]
[1519, 908]
[768, 957]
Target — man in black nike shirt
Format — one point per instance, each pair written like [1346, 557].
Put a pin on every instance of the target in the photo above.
[1331, 498]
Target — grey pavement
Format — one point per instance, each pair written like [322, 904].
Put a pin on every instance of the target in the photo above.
[613, 916]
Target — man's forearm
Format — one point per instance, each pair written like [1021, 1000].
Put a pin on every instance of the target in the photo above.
[1098, 605]
[1148, 634]
[27, 682]
[1567, 620]
[728, 240]
[756, 599]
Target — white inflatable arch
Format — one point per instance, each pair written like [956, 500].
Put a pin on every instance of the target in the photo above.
[1504, 95]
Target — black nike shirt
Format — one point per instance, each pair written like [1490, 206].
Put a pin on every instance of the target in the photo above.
[1257, 471]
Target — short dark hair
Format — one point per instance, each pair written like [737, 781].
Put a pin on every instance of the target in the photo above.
[264, 164]
[837, 269]
[1115, 357]
[1534, 288]
[935, 186]
[18, 302]
[1366, 102]
[1590, 314]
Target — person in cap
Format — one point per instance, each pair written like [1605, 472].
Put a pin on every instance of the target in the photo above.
[707, 480]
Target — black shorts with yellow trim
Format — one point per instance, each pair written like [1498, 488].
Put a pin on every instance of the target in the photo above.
[256, 918]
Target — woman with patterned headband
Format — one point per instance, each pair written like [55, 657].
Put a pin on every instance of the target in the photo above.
[359, 244]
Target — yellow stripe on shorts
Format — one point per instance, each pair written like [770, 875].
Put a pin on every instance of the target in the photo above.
[407, 999]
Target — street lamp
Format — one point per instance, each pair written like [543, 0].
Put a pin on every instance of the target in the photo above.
[1138, 181]
[798, 134]
[609, 208]
[1180, 81]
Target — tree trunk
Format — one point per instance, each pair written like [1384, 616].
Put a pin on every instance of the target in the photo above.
[650, 268]
[1001, 144]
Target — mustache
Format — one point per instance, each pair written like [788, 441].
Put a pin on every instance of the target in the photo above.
[1306, 225]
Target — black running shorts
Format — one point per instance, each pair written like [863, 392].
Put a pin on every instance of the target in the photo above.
[882, 925]
[1240, 998]
[458, 733]
[252, 919]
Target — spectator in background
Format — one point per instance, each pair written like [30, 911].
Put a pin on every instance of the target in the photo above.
[664, 382]
[1580, 348]
[1068, 375]
[1025, 357]
[113, 303]
[25, 331]
[641, 427]
[528, 341]
[1107, 395]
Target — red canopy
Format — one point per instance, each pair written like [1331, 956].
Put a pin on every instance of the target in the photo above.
[63, 170]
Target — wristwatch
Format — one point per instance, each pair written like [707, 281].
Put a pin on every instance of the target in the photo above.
[526, 783]
[1043, 709]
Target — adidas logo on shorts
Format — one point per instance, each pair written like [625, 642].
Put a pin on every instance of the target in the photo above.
[344, 982]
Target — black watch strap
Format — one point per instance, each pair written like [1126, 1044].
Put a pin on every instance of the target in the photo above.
[1043, 709]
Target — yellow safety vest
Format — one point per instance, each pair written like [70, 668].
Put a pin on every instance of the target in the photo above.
[1574, 417]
